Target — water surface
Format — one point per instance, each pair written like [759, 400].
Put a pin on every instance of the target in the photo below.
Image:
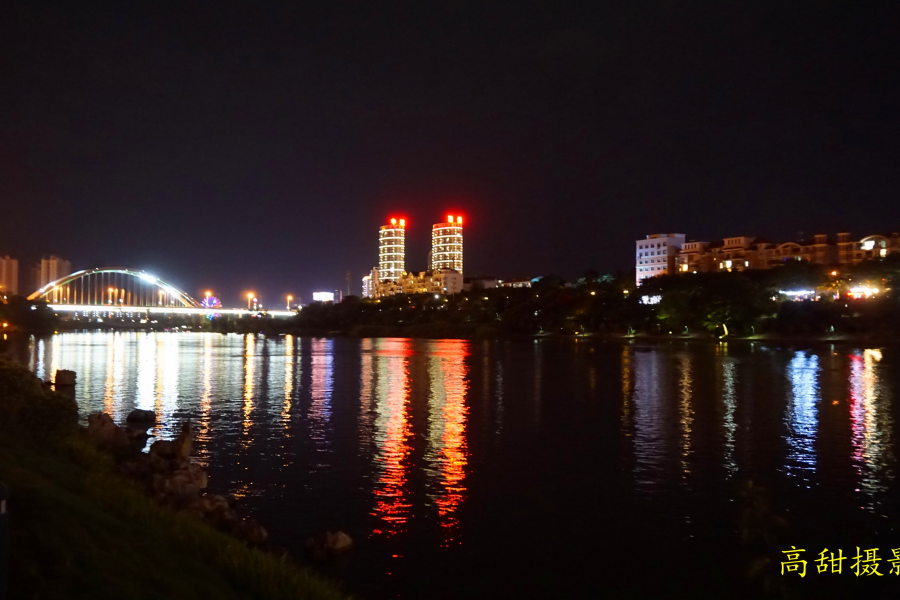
[545, 469]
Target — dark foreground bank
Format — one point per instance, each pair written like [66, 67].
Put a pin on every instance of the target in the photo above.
[80, 530]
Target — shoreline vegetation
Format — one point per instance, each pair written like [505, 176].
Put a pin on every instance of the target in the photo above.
[79, 528]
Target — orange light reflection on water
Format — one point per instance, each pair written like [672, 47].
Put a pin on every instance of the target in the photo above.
[452, 455]
[392, 433]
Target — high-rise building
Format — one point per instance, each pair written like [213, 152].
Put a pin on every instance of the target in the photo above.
[447, 245]
[392, 250]
[656, 255]
[9, 276]
[53, 268]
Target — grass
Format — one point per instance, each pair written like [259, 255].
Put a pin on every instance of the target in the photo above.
[79, 530]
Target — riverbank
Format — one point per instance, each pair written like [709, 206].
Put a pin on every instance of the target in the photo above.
[81, 530]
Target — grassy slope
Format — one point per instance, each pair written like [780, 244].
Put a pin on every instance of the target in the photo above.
[80, 531]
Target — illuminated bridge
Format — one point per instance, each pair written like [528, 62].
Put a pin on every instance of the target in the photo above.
[118, 290]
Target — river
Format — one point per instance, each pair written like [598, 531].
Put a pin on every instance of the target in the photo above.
[513, 469]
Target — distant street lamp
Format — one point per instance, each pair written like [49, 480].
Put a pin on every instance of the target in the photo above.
[110, 295]
[289, 302]
[249, 299]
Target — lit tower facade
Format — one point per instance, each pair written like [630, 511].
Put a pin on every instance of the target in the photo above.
[447, 245]
[392, 250]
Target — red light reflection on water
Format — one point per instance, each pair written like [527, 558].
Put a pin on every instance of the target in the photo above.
[449, 387]
[392, 433]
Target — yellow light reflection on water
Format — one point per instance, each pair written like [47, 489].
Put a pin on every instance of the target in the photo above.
[392, 432]
[685, 412]
[447, 452]
[249, 383]
[870, 424]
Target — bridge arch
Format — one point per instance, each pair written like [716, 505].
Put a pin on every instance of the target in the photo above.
[113, 286]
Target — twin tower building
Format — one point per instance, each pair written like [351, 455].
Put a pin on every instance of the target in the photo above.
[445, 261]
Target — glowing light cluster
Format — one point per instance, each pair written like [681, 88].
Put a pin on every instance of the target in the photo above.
[863, 292]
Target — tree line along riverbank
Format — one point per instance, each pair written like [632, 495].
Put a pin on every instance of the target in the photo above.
[748, 303]
[80, 529]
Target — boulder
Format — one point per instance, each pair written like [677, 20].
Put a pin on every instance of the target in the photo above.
[329, 544]
[139, 417]
[179, 448]
[101, 428]
[64, 377]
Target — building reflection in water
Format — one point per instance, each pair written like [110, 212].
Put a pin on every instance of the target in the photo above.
[366, 396]
[627, 371]
[145, 398]
[446, 456]
[289, 369]
[392, 435]
[321, 389]
[729, 397]
[871, 424]
[685, 412]
[650, 417]
[203, 430]
[115, 371]
[538, 378]
[801, 417]
[249, 385]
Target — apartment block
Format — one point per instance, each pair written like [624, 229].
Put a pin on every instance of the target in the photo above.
[656, 255]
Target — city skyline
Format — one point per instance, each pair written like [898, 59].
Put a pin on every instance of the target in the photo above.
[561, 131]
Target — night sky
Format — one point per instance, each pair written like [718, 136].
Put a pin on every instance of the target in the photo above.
[260, 145]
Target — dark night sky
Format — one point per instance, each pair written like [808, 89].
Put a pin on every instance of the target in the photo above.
[260, 145]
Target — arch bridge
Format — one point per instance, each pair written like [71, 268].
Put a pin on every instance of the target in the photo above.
[121, 290]
[113, 287]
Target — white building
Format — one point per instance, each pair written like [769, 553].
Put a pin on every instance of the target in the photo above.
[53, 268]
[392, 250]
[447, 245]
[656, 254]
[9, 276]
[369, 283]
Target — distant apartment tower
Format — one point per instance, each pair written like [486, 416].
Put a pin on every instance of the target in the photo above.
[53, 268]
[9, 276]
[656, 254]
[370, 283]
[392, 250]
[447, 245]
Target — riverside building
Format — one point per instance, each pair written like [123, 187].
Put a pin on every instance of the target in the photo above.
[656, 254]
[739, 253]
[53, 268]
[668, 253]
[9, 276]
[441, 281]
[392, 250]
[447, 245]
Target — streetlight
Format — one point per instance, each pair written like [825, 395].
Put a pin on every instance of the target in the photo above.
[110, 295]
[249, 299]
[289, 301]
